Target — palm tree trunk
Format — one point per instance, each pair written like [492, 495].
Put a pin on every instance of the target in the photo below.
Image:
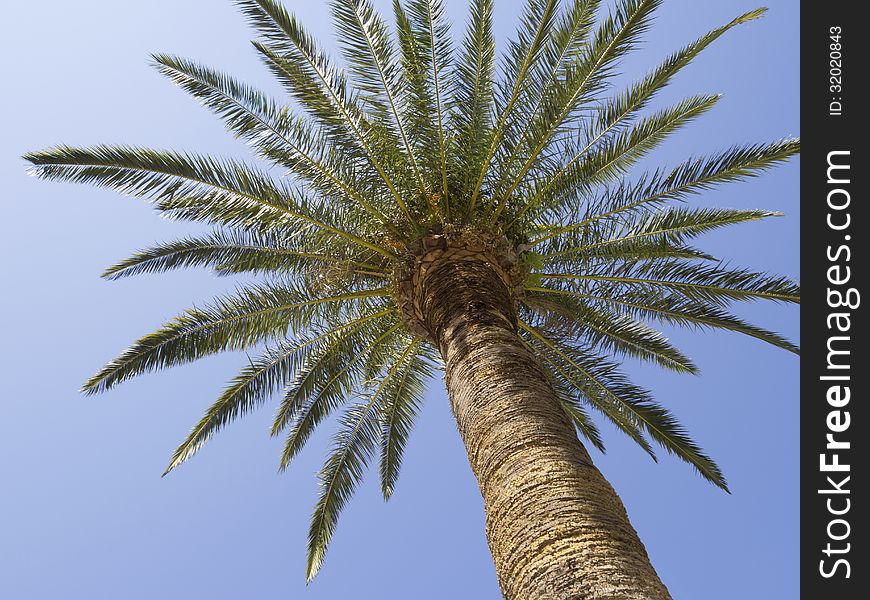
[555, 527]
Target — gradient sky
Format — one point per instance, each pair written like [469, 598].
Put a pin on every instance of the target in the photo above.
[84, 513]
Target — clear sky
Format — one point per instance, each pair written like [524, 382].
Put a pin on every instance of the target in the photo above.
[84, 513]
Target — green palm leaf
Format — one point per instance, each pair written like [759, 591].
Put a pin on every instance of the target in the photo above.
[474, 96]
[372, 57]
[617, 154]
[433, 99]
[270, 129]
[631, 404]
[605, 331]
[236, 322]
[402, 401]
[662, 228]
[354, 444]
[292, 55]
[190, 187]
[616, 36]
[262, 377]
[690, 177]
[621, 107]
[229, 252]
[325, 383]
[712, 284]
[532, 35]
[653, 305]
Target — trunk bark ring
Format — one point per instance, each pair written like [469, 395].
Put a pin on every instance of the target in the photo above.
[556, 528]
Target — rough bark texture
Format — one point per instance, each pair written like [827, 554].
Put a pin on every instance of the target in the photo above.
[555, 526]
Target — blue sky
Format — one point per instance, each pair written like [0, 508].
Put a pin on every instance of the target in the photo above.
[84, 513]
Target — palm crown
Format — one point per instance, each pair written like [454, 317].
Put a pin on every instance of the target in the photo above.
[415, 149]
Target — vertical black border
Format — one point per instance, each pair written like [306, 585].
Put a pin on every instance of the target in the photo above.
[822, 133]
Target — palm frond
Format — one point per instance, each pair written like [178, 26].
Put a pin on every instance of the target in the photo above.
[575, 410]
[605, 331]
[649, 304]
[592, 391]
[611, 160]
[617, 35]
[618, 109]
[259, 380]
[325, 383]
[191, 187]
[537, 20]
[292, 55]
[630, 403]
[403, 398]
[229, 252]
[713, 284]
[562, 52]
[475, 72]
[578, 258]
[662, 228]
[633, 143]
[690, 177]
[270, 129]
[369, 51]
[431, 35]
[354, 445]
[236, 322]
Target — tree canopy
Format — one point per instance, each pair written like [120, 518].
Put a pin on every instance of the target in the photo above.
[420, 134]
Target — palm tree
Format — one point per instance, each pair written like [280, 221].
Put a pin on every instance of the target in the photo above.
[432, 214]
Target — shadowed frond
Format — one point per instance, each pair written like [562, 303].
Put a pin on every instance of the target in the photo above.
[598, 395]
[575, 409]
